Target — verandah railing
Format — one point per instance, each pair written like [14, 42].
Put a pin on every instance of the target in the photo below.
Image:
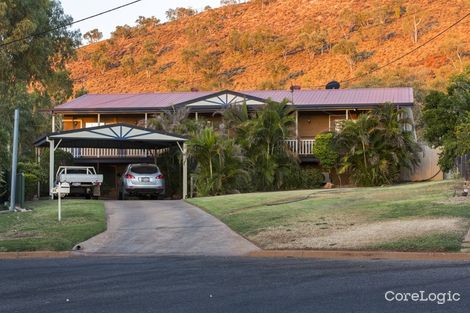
[78, 153]
[301, 146]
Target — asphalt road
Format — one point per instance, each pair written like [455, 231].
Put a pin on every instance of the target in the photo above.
[171, 227]
[214, 284]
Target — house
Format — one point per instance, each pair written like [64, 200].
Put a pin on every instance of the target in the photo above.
[316, 111]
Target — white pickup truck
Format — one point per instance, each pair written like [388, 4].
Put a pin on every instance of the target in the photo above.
[83, 180]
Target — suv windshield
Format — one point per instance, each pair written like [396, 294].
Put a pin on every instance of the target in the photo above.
[144, 169]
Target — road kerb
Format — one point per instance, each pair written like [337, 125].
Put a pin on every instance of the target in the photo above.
[361, 255]
[35, 255]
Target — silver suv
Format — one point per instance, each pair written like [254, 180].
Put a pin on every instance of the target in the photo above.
[141, 179]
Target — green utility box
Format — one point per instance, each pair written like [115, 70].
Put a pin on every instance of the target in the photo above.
[20, 189]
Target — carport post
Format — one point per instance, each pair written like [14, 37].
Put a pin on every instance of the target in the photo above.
[51, 167]
[185, 171]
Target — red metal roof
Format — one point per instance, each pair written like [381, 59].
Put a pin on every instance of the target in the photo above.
[334, 98]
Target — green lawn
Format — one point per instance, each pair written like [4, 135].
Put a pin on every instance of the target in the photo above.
[40, 230]
[407, 217]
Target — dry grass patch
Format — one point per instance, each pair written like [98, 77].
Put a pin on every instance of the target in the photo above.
[363, 236]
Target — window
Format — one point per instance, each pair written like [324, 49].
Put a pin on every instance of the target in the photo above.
[145, 169]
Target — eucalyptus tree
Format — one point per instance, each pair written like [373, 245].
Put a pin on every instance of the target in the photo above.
[35, 47]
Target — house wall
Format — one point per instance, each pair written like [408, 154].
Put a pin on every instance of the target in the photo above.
[310, 123]
[313, 123]
[79, 121]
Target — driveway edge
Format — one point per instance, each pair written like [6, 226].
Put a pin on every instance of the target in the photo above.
[361, 255]
[35, 255]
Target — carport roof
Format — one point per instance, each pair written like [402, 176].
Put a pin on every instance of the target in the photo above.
[120, 136]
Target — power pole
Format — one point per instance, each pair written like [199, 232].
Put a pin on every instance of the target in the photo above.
[14, 161]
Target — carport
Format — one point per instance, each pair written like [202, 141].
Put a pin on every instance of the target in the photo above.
[113, 136]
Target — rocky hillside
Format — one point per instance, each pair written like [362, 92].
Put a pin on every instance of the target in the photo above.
[272, 44]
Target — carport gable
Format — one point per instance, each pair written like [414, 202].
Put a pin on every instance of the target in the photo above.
[122, 136]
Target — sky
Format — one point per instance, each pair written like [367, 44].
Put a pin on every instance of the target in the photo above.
[107, 23]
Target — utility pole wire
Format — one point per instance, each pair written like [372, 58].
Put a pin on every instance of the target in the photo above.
[67, 25]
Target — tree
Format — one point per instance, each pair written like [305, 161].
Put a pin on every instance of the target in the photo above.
[382, 12]
[412, 21]
[228, 2]
[276, 70]
[33, 72]
[124, 31]
[100, 58]
[326, 152]
[128, 65]
[270, 160]
[180, 12]
[219, 162]
[445, 116]
[80, 92]
[93, 35]
[376, 146]
[348, 50]
[314, 39]
[147, 22]
[454, 50]
[147, 62]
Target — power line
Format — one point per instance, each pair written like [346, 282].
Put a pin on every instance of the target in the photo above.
[67, 25]
[409, 52]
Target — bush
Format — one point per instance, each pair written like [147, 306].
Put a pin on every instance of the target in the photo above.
[312, 178]
[33, 174]
[3, 186]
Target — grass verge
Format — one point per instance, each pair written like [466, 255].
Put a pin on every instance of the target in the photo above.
[39, 229]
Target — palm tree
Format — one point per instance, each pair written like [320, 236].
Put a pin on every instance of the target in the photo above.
[219, 162]
[270, 159]
[175, 120]
[377, 146]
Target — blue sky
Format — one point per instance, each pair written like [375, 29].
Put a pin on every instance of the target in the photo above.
[106, 23]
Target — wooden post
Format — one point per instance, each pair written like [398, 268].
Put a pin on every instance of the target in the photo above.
[296, 124]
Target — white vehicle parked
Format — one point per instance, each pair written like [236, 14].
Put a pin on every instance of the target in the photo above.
[83, 180]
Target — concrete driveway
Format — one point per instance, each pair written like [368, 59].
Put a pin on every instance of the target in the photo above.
[164, 228]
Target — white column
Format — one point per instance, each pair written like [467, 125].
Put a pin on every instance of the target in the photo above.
[185, 171]
[98, 119]
[51, 167]
[196, 116]
[146, 120]
[347, 114]
[53, 123]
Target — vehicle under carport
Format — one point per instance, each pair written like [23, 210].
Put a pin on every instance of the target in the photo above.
[114, 136]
